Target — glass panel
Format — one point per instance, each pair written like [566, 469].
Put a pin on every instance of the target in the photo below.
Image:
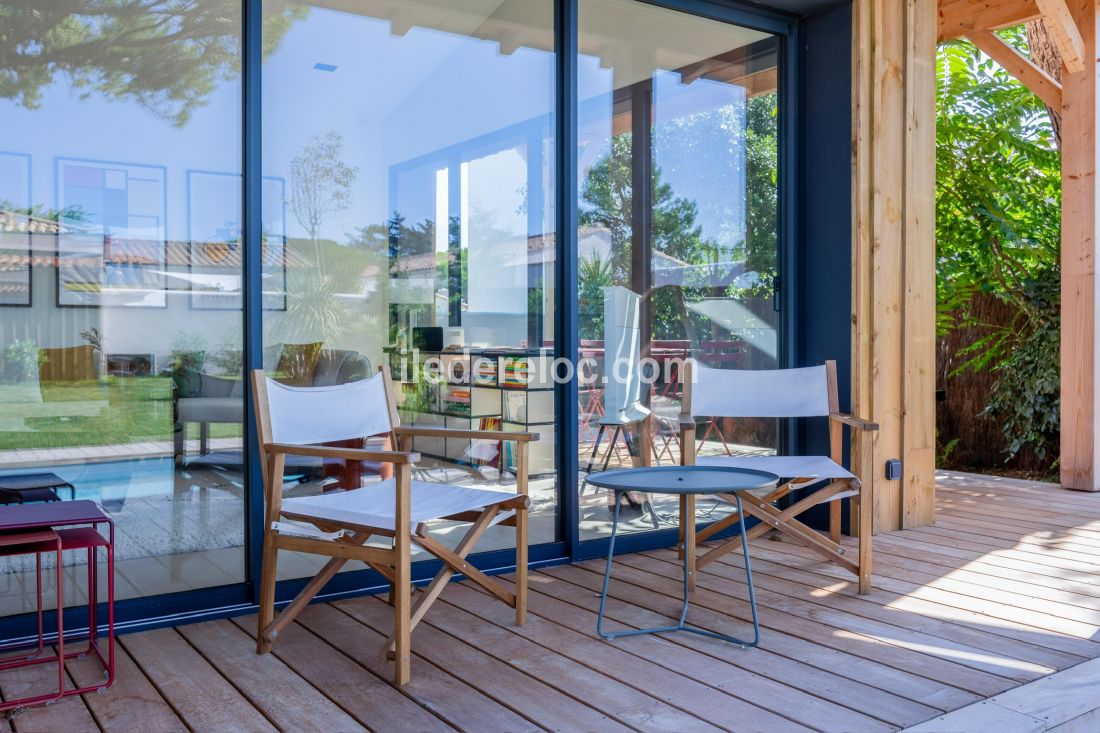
[677, 179]
[120, 309]
[411, 143]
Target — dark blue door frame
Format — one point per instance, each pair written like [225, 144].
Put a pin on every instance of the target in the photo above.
[786, 29]
[176, 608]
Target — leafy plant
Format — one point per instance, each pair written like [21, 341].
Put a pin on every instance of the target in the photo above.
[21, 361]
[998, 230]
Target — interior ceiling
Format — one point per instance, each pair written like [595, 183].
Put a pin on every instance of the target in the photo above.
[630, 37]
[799, 7]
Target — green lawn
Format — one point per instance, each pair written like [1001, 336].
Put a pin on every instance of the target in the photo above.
[117, 410]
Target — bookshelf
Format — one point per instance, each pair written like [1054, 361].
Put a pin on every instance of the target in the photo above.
[500, 389]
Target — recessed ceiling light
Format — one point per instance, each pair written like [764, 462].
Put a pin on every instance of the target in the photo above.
[324, 67]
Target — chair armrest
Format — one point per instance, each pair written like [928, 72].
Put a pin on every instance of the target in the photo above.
[350, 454]
[853, 422]
[425, 432]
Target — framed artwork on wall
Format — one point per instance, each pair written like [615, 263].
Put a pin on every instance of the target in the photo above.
[111, 234]
[18, 230]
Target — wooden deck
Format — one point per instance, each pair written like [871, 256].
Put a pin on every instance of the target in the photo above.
[1002, 591]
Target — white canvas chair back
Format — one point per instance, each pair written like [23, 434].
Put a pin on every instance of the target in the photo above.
[622, 357]
[309, 415]
[800, 392]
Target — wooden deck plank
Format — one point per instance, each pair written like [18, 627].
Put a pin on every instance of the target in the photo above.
[1032, 551]
[646, 661]
[785, 635]
[937, 611]
[1068, 626]
[69, 714]
[920, 547]
[938, 622]
[196, 690]
[820, 681]
[1069, 524]
[964, 581]
[431, 687]
[956, 523]
[890, 645]
[287, 699]
[132, 704]
[1022, 523]
[1053, 499]
[903, 553]
[370, 699]
[1000, 591]
[653, 710]
[526, 695]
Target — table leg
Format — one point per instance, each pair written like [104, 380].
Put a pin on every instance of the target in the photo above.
[688, 529]
[607, 570]
[748, 572]
[687, 521]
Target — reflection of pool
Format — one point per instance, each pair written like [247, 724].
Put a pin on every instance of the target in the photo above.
[112, 482]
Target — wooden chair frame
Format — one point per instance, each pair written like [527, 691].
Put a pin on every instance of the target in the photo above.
[785, 520]
[392, 563]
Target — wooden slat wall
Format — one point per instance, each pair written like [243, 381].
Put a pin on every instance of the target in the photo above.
[893, 318]
[1080, 459]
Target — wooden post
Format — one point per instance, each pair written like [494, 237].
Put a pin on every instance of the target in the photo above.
[893, 315]
[1080, 456]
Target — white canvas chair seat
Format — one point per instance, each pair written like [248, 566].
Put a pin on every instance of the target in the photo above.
[786, 467]
[809, 392]
[374, 506]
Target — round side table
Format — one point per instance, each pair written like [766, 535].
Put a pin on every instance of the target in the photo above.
[687, 482]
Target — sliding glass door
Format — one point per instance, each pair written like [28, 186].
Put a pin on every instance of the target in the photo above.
[677, 242]
[408, 221]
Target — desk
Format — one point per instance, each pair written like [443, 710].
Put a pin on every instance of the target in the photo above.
[687, 482]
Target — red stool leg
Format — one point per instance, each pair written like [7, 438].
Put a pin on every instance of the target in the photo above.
[93, 591]
[111, 609]
[38, 590]
[60, 622]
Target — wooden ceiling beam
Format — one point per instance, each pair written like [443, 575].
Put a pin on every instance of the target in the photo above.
[1042, 84]
[960, 17]
[1064, 32]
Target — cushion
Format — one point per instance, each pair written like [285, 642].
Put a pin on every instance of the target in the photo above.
[69, 364]
[185, 368]
[373, 505]
[297, 363]
[329, 363]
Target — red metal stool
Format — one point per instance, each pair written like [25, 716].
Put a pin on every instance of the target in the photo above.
[87, 538]
[36, 542]
[53, 527]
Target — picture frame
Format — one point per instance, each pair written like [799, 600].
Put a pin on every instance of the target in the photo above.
[16, 231]
[112, 244]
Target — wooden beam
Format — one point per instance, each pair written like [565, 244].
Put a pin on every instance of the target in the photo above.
[918, 340]
[893, 314]
[1080, 400]
[1064, 32]
[1024, 69]
[959, 17]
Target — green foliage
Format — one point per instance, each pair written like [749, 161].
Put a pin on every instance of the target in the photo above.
[1025, 394]
[166, 55]
[998, 229]
[676, 236]
[21, 361]
[594, 274]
